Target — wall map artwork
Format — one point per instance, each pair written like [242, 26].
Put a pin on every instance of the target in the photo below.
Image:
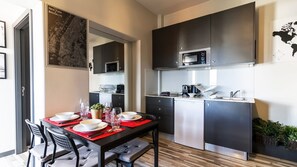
[284, 40]
[66, 39]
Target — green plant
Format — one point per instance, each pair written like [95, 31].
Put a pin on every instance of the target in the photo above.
[97, 106]
[259, 126]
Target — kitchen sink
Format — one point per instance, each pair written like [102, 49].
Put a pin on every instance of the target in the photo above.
[234, 98]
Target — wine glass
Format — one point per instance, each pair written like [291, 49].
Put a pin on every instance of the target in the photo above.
[115, 118]
[107, 111]
[84, 109]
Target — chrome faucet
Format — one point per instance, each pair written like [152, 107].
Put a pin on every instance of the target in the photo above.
[233, 94]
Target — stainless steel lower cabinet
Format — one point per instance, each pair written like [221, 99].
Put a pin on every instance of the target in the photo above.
[189, 122]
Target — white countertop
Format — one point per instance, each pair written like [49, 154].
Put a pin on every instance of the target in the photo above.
[246, 100]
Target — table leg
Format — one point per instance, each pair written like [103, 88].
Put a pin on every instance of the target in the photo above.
[156, 146]
[101, 158]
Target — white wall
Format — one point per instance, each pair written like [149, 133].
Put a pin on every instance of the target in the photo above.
[125, 16]
[8, 13]
[272, 84]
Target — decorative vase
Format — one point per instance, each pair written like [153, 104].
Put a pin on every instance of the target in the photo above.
[96, 114]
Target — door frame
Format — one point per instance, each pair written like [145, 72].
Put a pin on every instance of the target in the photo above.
[25, 18]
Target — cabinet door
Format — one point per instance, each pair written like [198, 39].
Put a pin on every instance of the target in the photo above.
[233, 36]
[195, 34]
[228, 124]
[189, 127]
[118, 101]
[93, 98]
[165, 47]
[98, 60]
[163, 109]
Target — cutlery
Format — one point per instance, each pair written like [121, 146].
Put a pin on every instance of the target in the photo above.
[100, 133]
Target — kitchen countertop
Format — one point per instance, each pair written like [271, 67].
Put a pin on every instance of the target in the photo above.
[176, 97]
[108, 93]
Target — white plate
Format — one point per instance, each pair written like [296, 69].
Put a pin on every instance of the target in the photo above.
[57, 119]
[136, 117]
[81, 128]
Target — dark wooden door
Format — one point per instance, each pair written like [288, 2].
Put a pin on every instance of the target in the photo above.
[233, 36]
[23, 83]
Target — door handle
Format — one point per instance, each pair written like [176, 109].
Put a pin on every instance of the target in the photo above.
[23, 91]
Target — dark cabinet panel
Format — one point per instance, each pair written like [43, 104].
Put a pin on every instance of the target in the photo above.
[233, 36]
[118, 101]
[109, 52]
[163, 109]
[93, 98]
[165, 47]
[195, 34]
[228, 124]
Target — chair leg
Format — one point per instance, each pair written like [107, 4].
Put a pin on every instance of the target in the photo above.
[29, 157]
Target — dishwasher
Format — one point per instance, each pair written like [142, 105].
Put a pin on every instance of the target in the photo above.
[189, 122]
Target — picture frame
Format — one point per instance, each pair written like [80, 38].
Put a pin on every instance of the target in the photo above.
[2, 65]
[67, 39]
[2, 34]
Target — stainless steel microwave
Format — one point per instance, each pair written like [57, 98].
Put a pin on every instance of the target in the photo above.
[194, 58]
[112, 66]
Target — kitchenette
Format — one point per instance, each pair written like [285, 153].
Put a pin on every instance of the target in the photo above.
[205, 81]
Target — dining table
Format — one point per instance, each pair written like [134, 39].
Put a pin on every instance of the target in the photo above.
[127, 133]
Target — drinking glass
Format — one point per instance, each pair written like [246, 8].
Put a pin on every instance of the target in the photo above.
[115, 118]
[107, 111]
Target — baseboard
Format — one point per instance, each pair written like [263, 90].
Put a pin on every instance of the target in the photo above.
[6, 153]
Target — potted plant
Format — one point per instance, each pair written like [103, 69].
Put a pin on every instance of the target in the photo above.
[268, 132]
[97, 110]
[290, 135]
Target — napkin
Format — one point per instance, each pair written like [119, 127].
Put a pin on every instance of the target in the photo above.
[62, 124]
[104, 133]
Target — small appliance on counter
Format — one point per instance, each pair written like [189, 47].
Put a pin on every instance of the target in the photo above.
[185, 90]
[165, 94]
[190, 91]
[120, 88]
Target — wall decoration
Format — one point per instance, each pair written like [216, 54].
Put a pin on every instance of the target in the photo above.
[2, 34]
[67, 39]
[2, 65]
[284, 41]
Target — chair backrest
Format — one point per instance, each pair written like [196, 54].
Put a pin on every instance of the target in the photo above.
[64, 141]
[36, 130]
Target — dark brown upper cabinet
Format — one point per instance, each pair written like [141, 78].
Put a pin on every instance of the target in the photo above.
[194, 34]
[106, 53]
[169, 41]
[165, 47]
[233, 36]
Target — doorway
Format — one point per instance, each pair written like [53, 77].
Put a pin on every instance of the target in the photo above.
[23, 82]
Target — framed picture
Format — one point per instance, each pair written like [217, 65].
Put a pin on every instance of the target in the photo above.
[2, 34]
[67, 39]
[2, 65]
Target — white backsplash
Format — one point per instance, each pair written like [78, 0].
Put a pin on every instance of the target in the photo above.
[105, 79]
[227, 79]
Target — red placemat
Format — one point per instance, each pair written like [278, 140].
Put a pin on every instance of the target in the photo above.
[132, 124]
[61, 124]
[103, 133]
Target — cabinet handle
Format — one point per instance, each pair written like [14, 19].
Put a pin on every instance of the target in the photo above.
[159, 109]
[159, 101]
[159, 117]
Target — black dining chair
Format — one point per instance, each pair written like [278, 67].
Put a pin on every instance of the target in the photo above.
[129, 152]
[83, 156]
[42, 151]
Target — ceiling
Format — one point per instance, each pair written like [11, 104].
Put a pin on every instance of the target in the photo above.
[168, 6]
